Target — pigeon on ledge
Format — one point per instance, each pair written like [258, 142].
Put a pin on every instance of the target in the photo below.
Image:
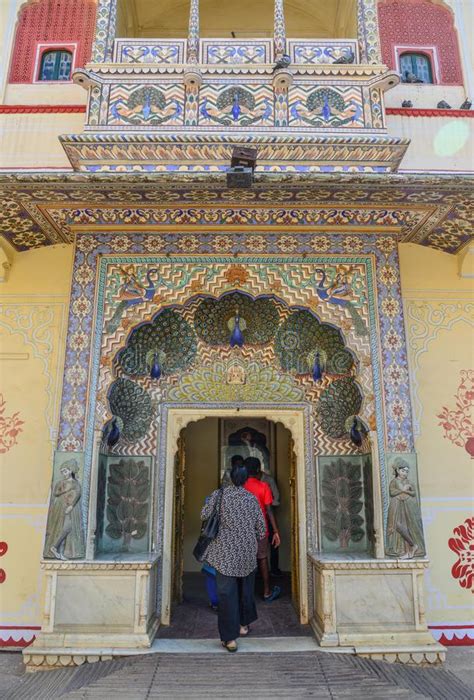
[467, 104]
[411, 78]
[348, 57]
[282, 62]
[443, 105]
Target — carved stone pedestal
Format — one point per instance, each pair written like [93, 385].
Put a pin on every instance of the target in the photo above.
[374, 606]
[93, 609]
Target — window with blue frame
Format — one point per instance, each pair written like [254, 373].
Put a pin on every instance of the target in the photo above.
[56, 65]
[415, 68]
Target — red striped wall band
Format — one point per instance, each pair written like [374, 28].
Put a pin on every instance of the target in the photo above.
[395, 111]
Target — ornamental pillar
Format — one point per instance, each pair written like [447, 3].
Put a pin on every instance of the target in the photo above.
[279, 30]
[193, 33]
[368, 31]
[105, 30]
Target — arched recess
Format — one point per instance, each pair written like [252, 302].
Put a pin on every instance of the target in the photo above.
[426, 25]
[246, 19]
[51, 22]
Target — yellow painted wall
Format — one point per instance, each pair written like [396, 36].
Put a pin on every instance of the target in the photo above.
[304, 18]
[33, 322]
[202, 463]
[439, 314]
[437, 143]
[31, 140]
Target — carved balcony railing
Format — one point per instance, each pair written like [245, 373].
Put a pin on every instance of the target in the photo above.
[150, 110]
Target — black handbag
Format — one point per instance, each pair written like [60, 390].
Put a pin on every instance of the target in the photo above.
[209, 531]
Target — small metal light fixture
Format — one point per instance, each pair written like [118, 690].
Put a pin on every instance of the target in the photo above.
[242, 167]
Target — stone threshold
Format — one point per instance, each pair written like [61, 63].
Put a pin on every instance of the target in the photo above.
[256, 645]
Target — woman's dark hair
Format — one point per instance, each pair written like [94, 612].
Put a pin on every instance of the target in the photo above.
[236, 459]
[253, 466]
[238, 475]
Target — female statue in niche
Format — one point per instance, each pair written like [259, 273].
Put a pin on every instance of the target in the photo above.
[64, 536]
[404, 526]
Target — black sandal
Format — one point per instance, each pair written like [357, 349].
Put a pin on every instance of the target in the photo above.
[230, 646]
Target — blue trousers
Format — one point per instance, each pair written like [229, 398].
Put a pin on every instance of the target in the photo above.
[236, 604]
[211, 588]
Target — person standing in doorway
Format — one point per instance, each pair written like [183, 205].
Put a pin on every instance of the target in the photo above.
[235, 460]
[233, 554]
[263, 494]
[267, 478]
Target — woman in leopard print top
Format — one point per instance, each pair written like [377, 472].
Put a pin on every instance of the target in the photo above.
[233, 554]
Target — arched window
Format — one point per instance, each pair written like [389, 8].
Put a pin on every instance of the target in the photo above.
[415, 68]
[55, 65]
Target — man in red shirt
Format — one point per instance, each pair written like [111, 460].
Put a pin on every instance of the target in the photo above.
[263, 494]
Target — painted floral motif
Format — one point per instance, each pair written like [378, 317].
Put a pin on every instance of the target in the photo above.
[458, 422]
[3, 550]
[10, 428]
[462, 544]
[236, 274]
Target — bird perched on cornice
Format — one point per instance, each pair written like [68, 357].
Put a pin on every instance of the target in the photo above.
[348, 57]
[443, 105]
[407, 103]
[411, 78]
[282, 62]
[467, 104]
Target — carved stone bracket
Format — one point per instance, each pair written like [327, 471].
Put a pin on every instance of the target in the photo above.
[282, 79]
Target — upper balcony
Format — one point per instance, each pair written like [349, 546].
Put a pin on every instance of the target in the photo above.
[182, 102]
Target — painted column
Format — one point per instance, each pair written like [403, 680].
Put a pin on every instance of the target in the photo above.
[193, 32]
[105, 30]
[279, 30]
[368, 31]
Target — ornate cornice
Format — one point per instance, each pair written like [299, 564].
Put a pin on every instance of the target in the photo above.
[110, 71]
[97, 565]
[45, 208]
[325, 562]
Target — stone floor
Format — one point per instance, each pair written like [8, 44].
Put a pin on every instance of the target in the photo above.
[257, 676]
[292, 666]
[194, 619]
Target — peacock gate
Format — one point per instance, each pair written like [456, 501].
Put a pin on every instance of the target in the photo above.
[179, 341]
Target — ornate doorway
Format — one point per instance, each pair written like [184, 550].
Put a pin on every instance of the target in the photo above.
[174, 496]
[202, 463]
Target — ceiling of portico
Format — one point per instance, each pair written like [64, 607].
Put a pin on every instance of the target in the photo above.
[247, 18]
[39, 210]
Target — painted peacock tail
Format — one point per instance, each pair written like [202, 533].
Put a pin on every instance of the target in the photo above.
[359, 324]
[112, 325]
